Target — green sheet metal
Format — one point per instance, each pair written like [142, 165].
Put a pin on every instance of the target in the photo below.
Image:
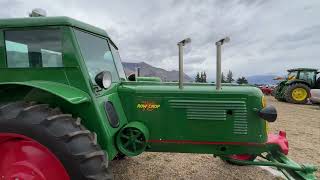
[68, 93]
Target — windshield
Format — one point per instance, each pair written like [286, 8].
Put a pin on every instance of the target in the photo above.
[97, 55]
[292, 75]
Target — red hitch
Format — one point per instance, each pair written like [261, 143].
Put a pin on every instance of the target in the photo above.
[280, 140]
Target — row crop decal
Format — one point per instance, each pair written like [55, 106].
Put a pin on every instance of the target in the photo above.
[148, 106]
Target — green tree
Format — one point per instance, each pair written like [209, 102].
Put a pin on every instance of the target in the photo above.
[229, 77]
[204, 77]
[223, 78]
[201, 77]
[197, 79]
[242, 80]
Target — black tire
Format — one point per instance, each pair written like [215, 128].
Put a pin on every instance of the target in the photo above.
[63, 135]
[290, 88]
[276, 94]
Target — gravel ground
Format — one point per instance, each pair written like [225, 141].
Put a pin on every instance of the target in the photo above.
[301, 122]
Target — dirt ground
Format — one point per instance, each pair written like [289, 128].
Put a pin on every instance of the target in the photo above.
[301, 122]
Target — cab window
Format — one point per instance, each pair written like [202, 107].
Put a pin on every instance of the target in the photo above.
[118, 62]
[96, 54]
[307, 76]
[34, 48]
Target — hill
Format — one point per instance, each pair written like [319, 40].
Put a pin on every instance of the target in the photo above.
[151, 71]
[262, 79]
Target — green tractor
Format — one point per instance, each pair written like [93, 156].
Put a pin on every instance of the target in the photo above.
[67, 108]
[296, 87]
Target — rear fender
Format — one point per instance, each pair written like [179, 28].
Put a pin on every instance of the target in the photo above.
[68, 93]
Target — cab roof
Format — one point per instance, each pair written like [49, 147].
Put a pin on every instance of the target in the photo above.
[49, 21]
[302, 69]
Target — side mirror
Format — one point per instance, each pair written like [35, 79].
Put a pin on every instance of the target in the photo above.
[103, 79]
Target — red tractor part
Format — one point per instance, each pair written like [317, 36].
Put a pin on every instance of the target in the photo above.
[266, 90]
[280, 140]
[23, 158]
[276, 157]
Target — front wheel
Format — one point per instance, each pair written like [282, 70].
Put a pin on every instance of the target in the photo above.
[41, 143]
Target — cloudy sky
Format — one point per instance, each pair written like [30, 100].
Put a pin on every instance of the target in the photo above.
[267, 37]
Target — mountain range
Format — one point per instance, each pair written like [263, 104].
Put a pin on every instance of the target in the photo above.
[150, 71]
[262, 79]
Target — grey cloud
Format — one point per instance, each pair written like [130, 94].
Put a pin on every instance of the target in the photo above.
[266, 36]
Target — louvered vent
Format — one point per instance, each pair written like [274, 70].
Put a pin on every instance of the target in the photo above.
[215, 110]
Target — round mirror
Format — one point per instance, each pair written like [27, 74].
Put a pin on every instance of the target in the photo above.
[103, 79]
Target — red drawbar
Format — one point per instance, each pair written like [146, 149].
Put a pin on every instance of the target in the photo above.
[281, 140]
[24, 158]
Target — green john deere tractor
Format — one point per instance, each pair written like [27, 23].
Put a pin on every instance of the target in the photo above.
[67, 108]
[296, 87]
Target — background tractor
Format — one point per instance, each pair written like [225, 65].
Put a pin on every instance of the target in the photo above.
[296, 87]
[67, 108]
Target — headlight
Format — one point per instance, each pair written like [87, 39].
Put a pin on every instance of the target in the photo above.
[268, 113]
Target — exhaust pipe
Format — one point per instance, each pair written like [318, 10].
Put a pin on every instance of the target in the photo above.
[181, 74]
[218, 72]
[137, 71]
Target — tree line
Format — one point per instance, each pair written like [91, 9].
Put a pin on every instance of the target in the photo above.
[202, 77]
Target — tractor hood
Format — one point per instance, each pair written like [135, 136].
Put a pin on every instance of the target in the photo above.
[199, 108]
[197, 89]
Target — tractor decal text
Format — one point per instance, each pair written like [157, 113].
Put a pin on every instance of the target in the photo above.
[148, 106]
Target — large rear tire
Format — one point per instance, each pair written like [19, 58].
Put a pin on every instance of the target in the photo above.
[39, 127]
[297, 93]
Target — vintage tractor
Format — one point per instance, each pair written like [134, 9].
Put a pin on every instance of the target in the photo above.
[296, 87]
[67, 108]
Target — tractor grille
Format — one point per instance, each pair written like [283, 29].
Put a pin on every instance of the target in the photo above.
[240, 123]
[215, 110]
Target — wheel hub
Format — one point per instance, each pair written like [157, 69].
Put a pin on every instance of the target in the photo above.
[299, 94]
[132, 139]
[25, 159]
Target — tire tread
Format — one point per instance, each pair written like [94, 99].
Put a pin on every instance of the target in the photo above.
[90, 160]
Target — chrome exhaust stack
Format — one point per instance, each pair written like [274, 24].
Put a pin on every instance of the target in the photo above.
[218, 71]
[181, 74]
[137, 72]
